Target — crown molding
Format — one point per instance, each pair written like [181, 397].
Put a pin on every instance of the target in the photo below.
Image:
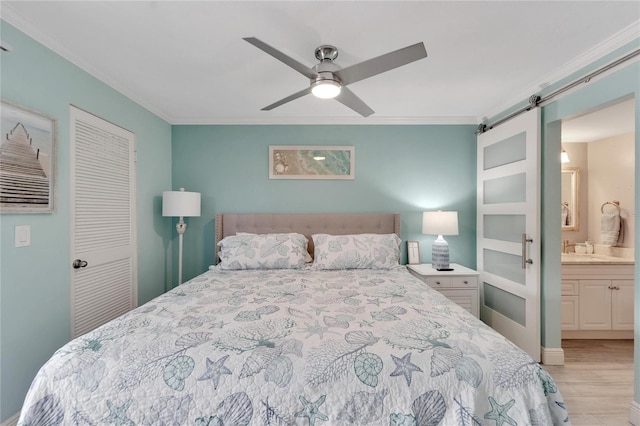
[618, 40]
[328, 121]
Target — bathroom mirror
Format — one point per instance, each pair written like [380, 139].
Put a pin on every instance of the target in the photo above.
[570, 199]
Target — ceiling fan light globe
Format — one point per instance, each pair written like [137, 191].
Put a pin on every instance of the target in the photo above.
[326, 89]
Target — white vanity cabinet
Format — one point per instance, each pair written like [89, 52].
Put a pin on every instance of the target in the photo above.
[597, 301]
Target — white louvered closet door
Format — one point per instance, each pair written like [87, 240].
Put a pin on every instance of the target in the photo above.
[103, 243]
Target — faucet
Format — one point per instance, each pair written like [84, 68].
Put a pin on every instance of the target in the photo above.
[566, 245]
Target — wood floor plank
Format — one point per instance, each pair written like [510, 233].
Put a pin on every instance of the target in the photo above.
[596, 381]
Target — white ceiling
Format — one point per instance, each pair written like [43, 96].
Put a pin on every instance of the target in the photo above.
[186, 61]
[612, 120]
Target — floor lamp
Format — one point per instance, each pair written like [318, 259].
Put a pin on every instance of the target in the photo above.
[181, 204]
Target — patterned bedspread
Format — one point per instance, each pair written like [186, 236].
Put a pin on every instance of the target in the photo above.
[294, 347]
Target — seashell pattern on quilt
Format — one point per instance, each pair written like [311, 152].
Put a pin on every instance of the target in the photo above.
[294, 347]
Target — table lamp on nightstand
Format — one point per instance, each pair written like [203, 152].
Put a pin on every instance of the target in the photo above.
[440, 223]
[180, 204]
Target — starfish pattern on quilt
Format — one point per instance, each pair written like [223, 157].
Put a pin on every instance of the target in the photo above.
[499, 414]
[215, 370]
[316, 329]
[311, 410]
[404, 367]
[118, 415]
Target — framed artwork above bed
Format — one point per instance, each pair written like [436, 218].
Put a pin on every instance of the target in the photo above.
[311, 162]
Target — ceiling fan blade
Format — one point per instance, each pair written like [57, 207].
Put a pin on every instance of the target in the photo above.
[348, 98]
[382, 63]
[288, 99]
[287, 60]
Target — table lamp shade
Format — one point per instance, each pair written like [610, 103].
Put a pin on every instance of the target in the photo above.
[180, 203]
[440, 223]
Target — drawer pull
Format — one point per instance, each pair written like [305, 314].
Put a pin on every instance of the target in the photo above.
[466, 282]
[438, 282]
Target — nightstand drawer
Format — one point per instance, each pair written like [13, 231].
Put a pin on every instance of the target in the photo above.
[452, 282]
[464, 282]
[438, 282]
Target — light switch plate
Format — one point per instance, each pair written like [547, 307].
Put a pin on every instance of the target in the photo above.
[23, 235]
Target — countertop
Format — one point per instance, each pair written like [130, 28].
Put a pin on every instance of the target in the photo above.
[594, 259]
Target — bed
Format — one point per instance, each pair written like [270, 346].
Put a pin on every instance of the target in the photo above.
[268, 338]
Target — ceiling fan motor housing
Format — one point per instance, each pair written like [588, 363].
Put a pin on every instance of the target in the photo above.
[326, 69]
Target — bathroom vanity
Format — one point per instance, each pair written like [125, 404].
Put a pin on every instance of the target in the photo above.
[597, 297]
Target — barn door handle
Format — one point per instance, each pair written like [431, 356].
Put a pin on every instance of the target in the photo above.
[525, 260]
[77, 264]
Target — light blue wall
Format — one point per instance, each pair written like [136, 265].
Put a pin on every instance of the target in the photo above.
[401, 169]
[34, 280]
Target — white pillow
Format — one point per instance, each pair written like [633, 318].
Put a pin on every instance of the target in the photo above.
[263, 251]
[307, 256]
[361, 251]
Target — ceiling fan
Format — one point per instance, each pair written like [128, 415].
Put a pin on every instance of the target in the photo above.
[328, 80]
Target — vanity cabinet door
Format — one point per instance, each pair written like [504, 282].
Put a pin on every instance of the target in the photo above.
[570, 305]
[570, 316]
[622, 304]
[595, 305]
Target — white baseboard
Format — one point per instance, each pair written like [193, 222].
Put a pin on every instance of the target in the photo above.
[553, 356]
[634, 413]
[11, 421]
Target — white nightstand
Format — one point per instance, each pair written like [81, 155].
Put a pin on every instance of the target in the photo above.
[459, 285]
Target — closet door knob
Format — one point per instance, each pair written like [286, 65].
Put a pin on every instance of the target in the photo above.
[77, 264]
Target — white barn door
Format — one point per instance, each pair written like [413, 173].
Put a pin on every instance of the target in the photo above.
[508, 230]
[103, 237]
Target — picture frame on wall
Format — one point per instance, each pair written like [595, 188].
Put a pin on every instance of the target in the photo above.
[413, 252]
[311, 162]
[27, 160]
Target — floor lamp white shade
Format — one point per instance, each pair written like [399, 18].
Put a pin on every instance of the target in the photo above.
[180, 204]
[440, 223]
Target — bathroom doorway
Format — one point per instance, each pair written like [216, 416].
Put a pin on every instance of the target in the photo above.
[597, 265]
[598, 168]
[598, 222]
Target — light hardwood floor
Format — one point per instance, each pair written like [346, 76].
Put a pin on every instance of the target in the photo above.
[596, 381]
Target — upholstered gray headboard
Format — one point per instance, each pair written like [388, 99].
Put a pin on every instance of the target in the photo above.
[306, 224]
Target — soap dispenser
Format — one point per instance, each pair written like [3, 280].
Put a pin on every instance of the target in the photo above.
[589, 247]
